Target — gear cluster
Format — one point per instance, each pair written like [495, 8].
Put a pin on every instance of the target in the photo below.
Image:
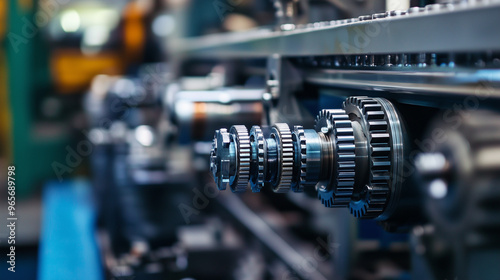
[352, 157]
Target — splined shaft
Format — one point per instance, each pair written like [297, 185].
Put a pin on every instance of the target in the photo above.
[350, 157]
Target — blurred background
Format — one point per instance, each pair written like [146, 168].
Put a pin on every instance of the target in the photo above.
[108, 110]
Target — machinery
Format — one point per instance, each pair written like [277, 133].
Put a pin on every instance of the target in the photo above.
[404, 134]
[354, 158]
[367, 132]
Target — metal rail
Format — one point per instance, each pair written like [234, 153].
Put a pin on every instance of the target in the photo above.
[462, 27]
[482, 83]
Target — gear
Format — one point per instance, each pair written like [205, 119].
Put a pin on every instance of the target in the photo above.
[220, 158]
[239, 181]
[372, 199]
[354, 157]
[461, 178]
[257, 143]
[283, 136]
[300, 163]
[336, 125]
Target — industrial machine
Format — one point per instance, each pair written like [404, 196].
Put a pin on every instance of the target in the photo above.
[360, 139]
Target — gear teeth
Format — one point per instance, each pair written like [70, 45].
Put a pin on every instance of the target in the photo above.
[286, 152]
[332, 126]
[342, 134]
[219, 163]
[240, 182]
[301, 159]
[377, 125]
[257, 137]
[377, 192]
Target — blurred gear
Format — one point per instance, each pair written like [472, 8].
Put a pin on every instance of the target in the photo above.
[460, 178]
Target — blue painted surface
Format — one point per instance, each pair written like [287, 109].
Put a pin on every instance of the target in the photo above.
[26, 264]
[370, 230]
[68, 248]
[327, 101]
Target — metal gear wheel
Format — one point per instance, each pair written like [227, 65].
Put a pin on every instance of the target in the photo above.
[257, 142]
[300, 163]
[354, 157]
[283, 136]
[220, 158]
[373, 116]
[336, 125]
[239, 182]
